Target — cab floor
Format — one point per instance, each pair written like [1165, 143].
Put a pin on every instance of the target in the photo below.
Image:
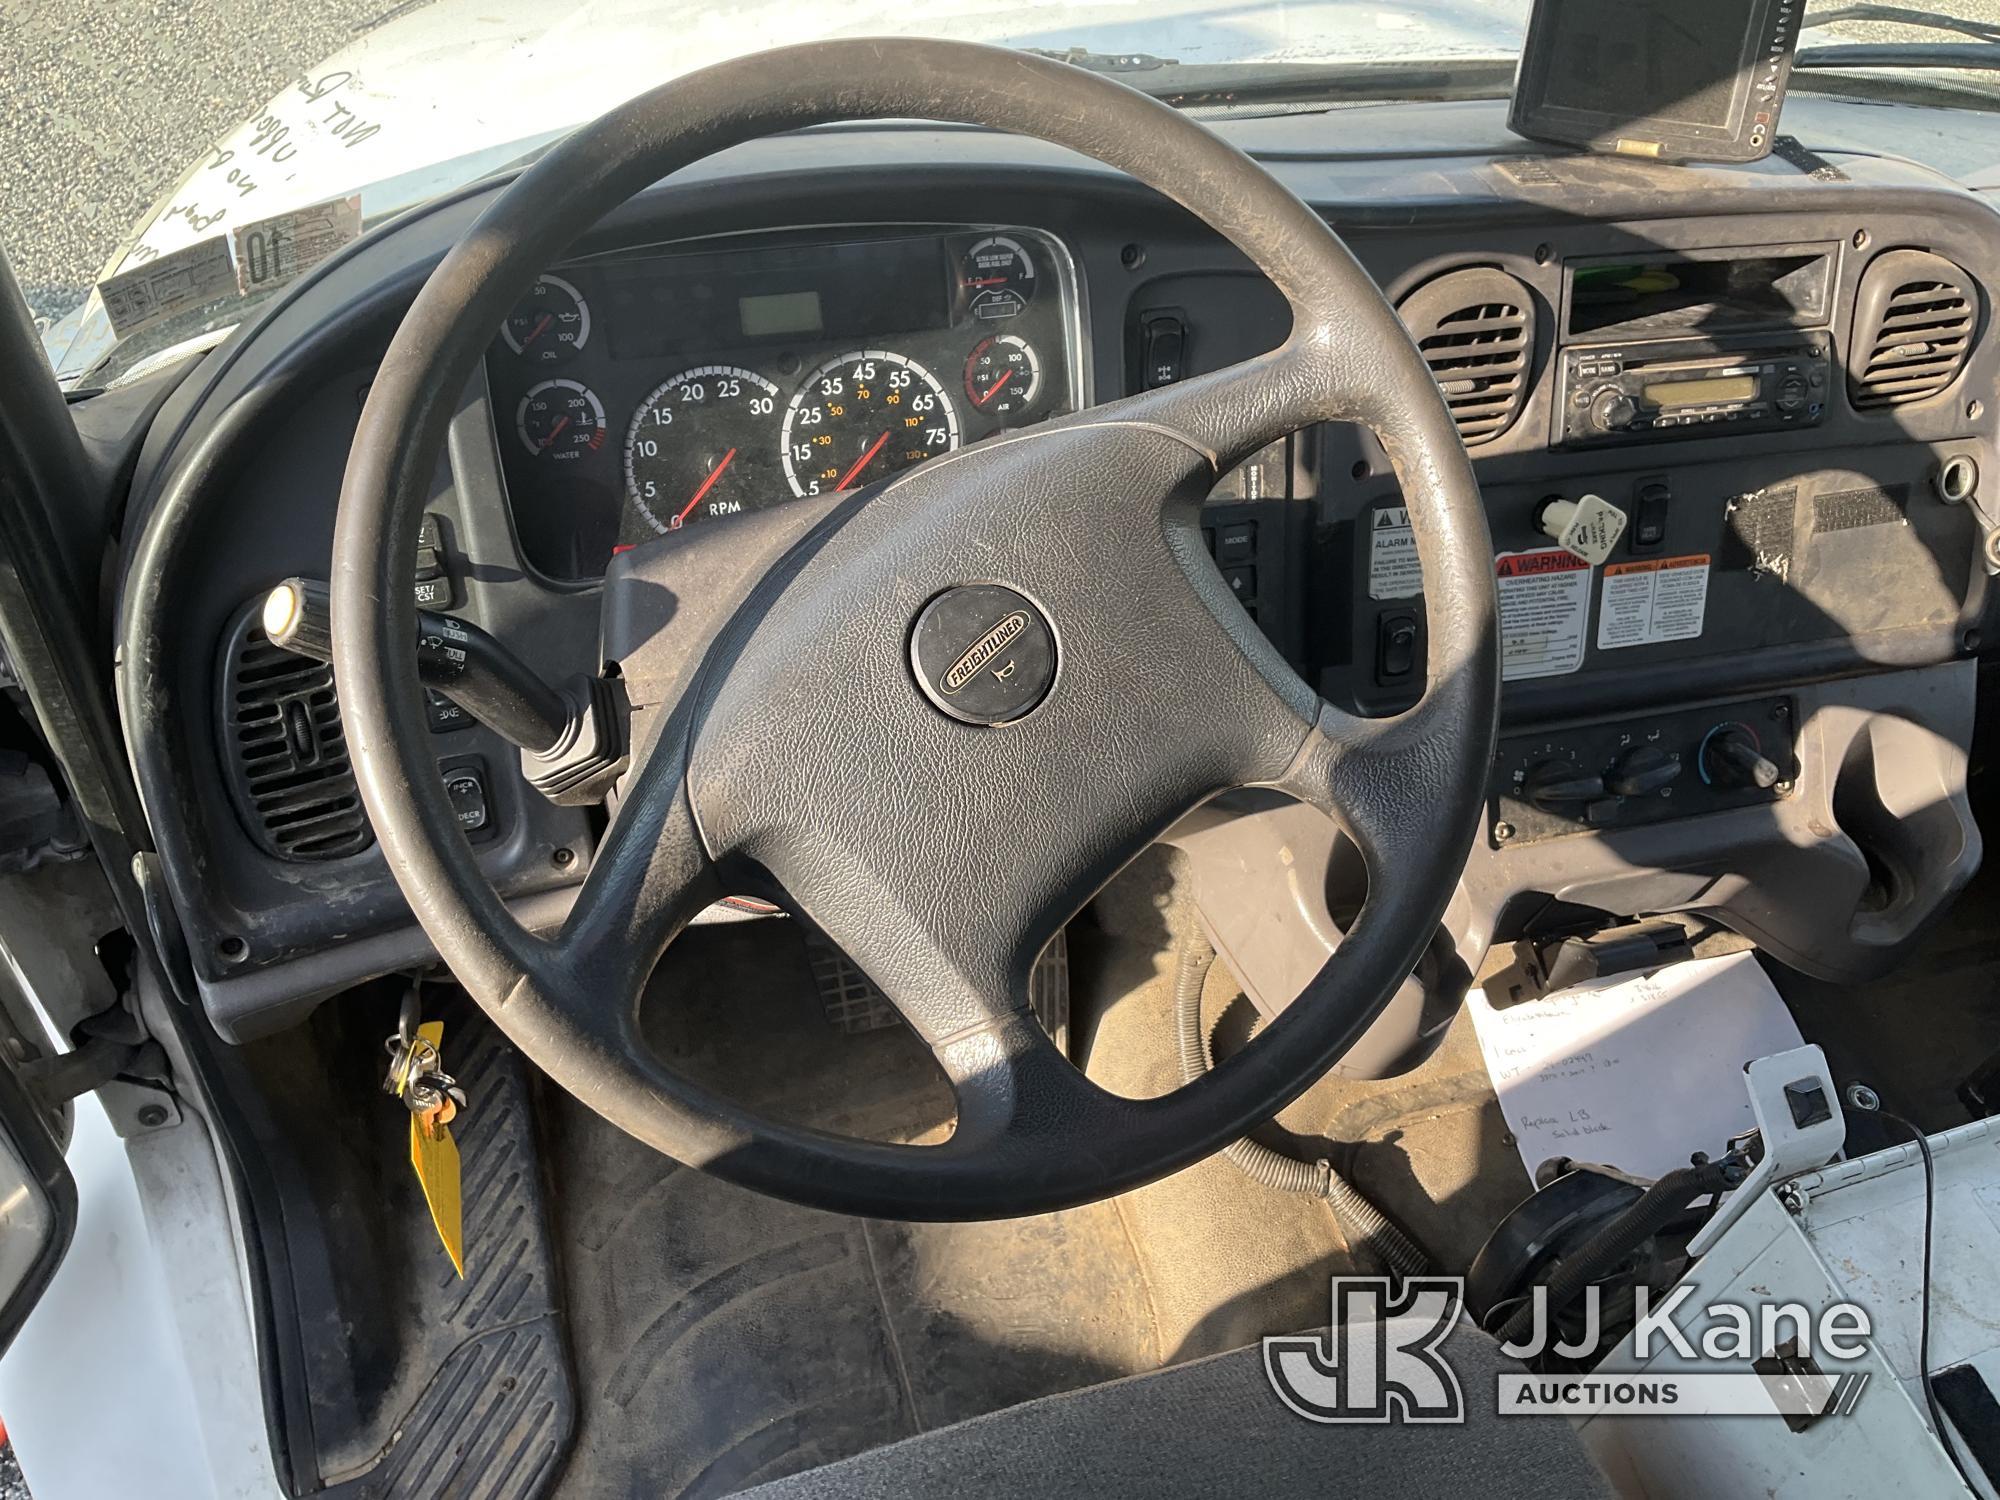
[721, 1338]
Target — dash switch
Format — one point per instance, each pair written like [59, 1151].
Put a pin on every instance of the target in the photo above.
[1649, 516]
[1164, 350]
[1397, 639]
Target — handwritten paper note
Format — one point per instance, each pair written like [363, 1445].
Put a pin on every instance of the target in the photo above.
[1635, 1072]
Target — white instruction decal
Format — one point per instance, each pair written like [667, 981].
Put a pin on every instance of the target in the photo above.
[1660, 599]
[1544, 612]
[285, 246]
[1392, 556]
[191, 277]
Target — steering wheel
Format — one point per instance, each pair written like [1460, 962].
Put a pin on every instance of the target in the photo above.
[961, 701]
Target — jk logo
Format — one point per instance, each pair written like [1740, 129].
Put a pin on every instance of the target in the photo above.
[1379, 1361]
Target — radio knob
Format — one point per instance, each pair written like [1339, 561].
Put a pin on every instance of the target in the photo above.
[1611, 409]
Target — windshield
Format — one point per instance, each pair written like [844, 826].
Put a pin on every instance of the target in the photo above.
[168, 173]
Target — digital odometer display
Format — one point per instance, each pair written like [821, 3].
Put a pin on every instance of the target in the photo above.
[684, 303]
[780, 312]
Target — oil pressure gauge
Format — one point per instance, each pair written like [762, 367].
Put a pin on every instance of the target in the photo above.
[550, 325]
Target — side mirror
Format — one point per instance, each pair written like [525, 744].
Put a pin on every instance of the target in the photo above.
[37, 1201]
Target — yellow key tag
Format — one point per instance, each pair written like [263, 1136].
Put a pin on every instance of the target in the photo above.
[434, 1154]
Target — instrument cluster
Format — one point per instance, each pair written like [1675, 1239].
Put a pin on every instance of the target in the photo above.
[642, 392]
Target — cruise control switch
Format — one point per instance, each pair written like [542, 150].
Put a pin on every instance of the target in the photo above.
[572, 743]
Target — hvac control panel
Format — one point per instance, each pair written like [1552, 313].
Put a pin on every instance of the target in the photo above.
[1626, 774]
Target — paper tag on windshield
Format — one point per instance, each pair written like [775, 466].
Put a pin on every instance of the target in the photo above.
[180, 281]
[285, 246]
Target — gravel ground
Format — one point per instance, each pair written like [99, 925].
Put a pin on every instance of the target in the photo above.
[12, 1485]
[106, 100]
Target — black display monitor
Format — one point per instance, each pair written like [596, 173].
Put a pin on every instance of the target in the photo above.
[1674, 80]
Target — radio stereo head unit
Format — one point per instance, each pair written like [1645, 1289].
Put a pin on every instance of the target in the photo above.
[1643, 392]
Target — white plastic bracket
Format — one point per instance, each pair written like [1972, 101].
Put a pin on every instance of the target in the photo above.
[1798, 1116]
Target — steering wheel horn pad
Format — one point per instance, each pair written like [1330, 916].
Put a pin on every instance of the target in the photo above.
[983, 653]
[961, 702]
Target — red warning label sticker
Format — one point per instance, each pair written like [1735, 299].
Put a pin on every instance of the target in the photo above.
[1544, 612]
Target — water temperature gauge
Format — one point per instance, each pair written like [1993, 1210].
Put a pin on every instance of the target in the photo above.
[559, 420]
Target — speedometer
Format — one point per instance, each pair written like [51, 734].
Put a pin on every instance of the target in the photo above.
[862, 417]
[701, 445]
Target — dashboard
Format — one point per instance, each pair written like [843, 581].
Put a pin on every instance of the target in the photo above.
[645, 391]
[1765, 688]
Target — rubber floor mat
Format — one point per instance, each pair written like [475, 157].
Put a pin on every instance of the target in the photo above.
[723, 1338]
[493, 1403]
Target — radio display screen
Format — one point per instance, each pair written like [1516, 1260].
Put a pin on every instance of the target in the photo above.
[1702, 392]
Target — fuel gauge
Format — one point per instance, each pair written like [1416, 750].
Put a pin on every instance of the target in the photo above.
[1003, 375]
[998, 277]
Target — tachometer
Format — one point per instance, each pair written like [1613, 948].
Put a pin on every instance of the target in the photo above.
[701, 445]
[860, 418]
[559, 420]
[550, 324]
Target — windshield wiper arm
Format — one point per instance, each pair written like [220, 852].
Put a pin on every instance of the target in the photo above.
[1981, 57]
[1221, 85]
[1104, 62]
[1979, 54]
[1902, 15]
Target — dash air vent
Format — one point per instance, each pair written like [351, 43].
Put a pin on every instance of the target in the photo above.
[288, 754]
[1476, 330]
[1913, 323]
